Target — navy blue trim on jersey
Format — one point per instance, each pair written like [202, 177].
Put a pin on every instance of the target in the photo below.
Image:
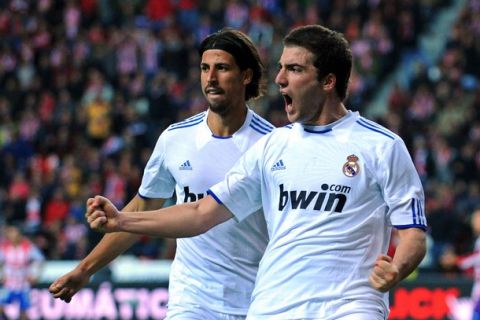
[408, 226]
[191, 124]
[372, 127]
[200, 115]
[262, 123]
[417, 213]
[193, 118]
[188, 122]
[321, 131]
[210, 192]
[258, 130]
[260, 126]
[220, 137]
[144, 198]
[289, 126]
[414, 213]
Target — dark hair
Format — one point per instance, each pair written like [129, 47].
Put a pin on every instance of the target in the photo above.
[331, 50]
[243, 51]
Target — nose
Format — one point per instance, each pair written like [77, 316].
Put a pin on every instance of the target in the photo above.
[212, 76]
[281, 79]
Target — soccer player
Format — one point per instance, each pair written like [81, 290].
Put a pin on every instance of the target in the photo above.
[332, 187]
[212, 275]
[20, 263]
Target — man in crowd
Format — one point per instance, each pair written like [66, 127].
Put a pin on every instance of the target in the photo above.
[20, 264]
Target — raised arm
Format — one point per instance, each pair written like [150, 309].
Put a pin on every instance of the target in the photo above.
[110, 247]
[179, 221]
[410, 251]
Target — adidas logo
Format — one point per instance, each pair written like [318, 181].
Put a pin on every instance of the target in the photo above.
[185, 166]
[278, 166]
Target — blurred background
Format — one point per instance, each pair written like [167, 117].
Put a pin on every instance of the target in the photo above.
[87, 86]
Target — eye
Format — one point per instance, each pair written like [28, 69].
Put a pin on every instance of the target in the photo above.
[222, 67]
[295, 69]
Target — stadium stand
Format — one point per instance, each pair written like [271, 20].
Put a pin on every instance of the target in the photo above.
[87, 86]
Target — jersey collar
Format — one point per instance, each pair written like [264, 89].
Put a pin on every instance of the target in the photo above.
[350, 116]
[207, 132]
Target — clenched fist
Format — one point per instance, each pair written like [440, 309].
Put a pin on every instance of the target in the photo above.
[385, 275]
[102, 215]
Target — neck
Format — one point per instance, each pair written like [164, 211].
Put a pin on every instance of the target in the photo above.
[330, 112]
[225, 125]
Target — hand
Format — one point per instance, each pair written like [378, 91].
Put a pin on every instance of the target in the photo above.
[102, 215]
[384, 274]
[65, 287]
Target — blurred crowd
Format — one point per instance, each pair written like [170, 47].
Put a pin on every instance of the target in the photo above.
[438, 114]
[86, 87]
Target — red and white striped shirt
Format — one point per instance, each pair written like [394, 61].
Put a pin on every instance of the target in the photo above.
[17, 262]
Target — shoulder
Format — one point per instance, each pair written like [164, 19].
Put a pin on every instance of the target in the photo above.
[260, 124]
[278, 137]
[190, 122]
[283, 131]
[378, 145]
[373, 133]
[182, 129]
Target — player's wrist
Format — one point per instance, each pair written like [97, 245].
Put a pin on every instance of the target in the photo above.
[85, 268]
[120, 223]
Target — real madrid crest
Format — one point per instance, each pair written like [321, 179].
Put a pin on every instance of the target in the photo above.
[351, 167]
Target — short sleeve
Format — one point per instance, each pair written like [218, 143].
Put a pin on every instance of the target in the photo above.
[241, 189]
[402, 188]
[157, 181]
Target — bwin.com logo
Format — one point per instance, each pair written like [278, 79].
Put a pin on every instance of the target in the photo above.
[279, 165]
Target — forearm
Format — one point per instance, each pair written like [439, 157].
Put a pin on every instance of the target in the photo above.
[115, 244]
[410, 251]
[185, 220]
[110, 246]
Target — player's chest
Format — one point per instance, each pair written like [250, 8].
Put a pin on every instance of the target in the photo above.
[203, 165]
[316, 164]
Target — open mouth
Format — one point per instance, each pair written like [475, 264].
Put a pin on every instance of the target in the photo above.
[287, 99]
[288, 102]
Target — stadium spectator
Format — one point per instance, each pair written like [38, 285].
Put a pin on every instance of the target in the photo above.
[439, 112]
[20, 263]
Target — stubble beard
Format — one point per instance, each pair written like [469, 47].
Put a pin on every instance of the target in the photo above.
[219, 108]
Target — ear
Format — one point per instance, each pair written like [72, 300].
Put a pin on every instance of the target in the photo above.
[247, 76]
[329, 82]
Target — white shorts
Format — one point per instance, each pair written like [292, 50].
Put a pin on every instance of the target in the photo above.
[337, 310]
[194, 312]
[358, 310]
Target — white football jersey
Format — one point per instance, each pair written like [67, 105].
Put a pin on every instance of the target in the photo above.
[216, 269]
[330, 195]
